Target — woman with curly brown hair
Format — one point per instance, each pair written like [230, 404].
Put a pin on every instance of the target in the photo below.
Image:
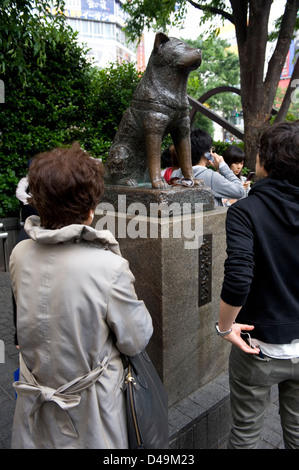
[77, 311]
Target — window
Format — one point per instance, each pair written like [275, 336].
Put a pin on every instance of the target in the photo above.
[109, 30]
[85, 27]
[97, 28]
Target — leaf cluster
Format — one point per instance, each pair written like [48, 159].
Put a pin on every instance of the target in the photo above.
[154, 14]
[56, 102]
[219, 67]
[20, 31]
[111, 91]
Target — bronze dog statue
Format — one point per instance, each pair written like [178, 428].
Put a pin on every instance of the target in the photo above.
[159, 106]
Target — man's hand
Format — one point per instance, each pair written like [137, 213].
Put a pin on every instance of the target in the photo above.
[235, 337]
[217, 160]
[227, 316]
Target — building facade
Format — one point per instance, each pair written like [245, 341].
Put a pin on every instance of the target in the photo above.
[99, 24]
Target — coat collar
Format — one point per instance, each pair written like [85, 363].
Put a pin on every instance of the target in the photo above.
[70, 234]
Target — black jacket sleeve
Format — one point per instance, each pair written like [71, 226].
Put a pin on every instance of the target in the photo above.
[239, 265]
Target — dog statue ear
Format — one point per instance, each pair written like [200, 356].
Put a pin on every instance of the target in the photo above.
[160, 38]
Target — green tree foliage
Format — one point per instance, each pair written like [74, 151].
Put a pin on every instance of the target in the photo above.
[55, 101]
[259, 79]
[41, 111]
[219, 67]
[20, 22]
[159, 15]
[111, 91]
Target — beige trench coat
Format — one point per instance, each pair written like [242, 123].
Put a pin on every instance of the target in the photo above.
[76, 309]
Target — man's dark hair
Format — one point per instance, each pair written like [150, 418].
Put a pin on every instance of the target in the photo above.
[201, 142]
[279, 151]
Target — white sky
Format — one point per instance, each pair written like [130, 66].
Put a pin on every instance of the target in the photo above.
[192, 30]
[191, 27]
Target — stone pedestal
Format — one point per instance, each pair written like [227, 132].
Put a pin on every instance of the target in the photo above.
[177, 261]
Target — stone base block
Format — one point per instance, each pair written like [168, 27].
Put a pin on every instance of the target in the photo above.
[180, 284]
[146, 195]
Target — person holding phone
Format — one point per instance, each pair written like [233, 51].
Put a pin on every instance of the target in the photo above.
[259, 308]
[223, 182]
[235, 158]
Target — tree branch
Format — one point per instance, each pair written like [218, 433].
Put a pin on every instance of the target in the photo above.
[210, 9]
[240, 20]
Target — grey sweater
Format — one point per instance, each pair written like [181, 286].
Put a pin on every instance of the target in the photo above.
[224, 184]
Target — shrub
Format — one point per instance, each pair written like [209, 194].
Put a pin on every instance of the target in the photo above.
[60, 101]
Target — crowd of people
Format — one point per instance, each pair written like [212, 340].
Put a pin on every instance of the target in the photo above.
[77, 310]
[221, 173]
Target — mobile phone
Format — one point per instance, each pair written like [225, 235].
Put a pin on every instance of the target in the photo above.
[250, 176]
[209, 156]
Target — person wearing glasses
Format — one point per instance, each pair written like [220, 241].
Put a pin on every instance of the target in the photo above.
[259, 308]
[223, 182]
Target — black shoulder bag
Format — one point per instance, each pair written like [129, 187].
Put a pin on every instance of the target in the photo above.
[147, 404]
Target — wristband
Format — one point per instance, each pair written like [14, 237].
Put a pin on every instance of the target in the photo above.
[223, 333]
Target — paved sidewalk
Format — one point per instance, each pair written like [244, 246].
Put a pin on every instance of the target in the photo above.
[7, 368]
[271, 437]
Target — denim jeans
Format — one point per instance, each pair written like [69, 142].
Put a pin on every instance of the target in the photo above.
[251, 379]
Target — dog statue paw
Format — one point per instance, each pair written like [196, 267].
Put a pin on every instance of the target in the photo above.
[160, 184]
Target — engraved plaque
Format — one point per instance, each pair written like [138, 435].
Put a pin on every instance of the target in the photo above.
[205, 271]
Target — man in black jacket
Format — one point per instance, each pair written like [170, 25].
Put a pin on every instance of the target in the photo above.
[260, 291]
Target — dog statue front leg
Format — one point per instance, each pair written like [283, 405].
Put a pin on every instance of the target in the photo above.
[153, 149]
[183, 150]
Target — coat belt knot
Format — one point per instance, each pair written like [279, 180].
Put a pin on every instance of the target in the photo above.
[47, 393]
[65, 401]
